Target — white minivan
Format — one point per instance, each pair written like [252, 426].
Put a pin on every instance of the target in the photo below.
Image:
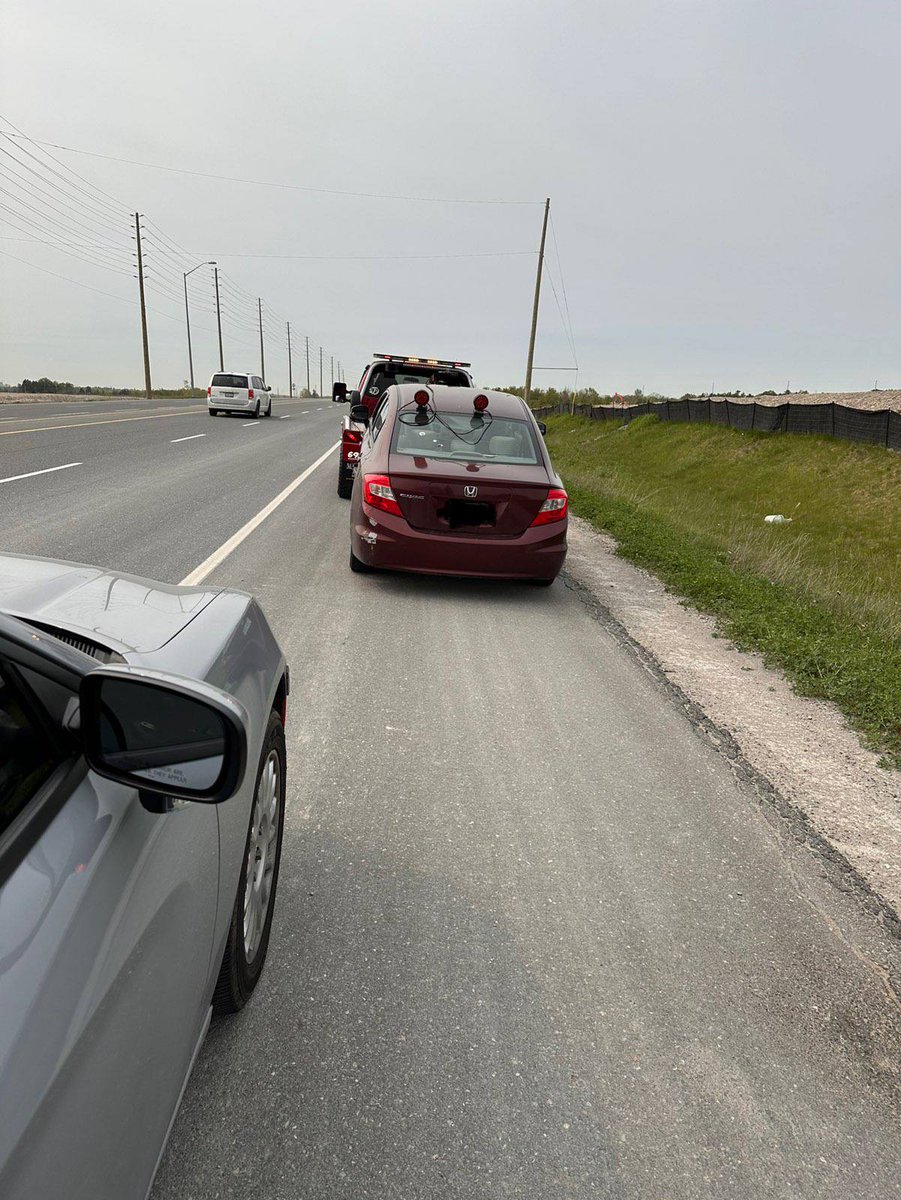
[229, 392]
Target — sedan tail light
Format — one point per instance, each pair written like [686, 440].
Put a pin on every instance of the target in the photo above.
[554, 507]
[377, 493]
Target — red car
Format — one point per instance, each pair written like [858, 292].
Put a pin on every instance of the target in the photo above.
[456, 481]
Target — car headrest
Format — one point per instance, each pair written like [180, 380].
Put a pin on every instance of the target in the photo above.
[503, 445]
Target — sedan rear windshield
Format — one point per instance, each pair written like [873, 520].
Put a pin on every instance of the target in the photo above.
[384, 377]
[454, 436]
[229, 381]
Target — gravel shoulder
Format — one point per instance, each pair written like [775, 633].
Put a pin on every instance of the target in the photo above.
[824, 781]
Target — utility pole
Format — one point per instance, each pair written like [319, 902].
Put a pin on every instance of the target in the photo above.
[188, 316]
[262, 355]
[528, 387]
[290, 373]
[333, 370]
[320, 370]
[143, 307]
[218, 318]
[306, 350]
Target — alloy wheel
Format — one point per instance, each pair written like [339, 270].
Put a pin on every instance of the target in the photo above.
[261, 854]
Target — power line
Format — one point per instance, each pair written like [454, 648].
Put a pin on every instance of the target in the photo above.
[93, 214]
[115, 209]
[13, 222]
[69, 226]
[383, 257]
[294, 187]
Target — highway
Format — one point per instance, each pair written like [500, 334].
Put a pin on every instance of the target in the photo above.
[534, 937]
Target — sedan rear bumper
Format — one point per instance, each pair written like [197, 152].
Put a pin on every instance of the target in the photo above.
[388, 542]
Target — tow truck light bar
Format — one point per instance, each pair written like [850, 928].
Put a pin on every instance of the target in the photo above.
[422, 362]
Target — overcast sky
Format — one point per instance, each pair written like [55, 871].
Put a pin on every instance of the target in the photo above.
[724, 177]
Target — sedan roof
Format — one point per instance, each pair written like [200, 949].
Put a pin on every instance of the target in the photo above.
[459, 399]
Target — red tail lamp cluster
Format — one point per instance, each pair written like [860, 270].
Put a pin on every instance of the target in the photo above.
[554, 507]
[377, 493]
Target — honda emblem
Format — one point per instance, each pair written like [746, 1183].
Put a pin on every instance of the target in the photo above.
[470, 492]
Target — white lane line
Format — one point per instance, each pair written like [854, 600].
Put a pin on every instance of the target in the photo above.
[250, 424]
[183, 412]
[218, 556]
[287, 418]
[187, 439]
[46, 471]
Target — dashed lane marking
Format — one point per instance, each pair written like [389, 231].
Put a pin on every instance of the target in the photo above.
[46, 471]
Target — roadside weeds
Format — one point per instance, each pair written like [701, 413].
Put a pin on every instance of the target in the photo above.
[820, 598]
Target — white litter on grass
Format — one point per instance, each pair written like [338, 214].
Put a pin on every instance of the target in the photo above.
[777, 519]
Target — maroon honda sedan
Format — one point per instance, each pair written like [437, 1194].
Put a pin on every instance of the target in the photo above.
[456, 481]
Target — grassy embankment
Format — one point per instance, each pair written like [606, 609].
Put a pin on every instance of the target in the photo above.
[820, 597]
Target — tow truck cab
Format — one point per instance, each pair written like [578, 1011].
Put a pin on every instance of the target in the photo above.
[379, 375]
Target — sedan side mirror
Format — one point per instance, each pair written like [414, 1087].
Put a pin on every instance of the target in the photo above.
[339, 393]
[174, 736]
[359, 413]
[542, 428]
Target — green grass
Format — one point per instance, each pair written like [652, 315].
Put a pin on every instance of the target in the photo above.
[820, 597]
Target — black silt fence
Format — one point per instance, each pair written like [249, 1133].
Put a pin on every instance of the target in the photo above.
[881, 428]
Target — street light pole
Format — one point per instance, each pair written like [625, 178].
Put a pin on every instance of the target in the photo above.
[188, 316]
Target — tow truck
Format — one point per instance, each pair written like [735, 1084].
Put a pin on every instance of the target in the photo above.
[378, 376]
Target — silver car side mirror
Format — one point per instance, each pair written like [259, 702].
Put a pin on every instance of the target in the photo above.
[150, 731]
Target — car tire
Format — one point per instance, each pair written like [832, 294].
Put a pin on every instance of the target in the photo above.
[345, 480]
[246, 947]
[541, 582]
[269, 409]
[256, 411]
[214, 412]
[358, 567]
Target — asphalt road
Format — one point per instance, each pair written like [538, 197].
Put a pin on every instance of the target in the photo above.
[533, 937]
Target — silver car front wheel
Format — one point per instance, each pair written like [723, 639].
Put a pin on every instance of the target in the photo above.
[248, 935]
[261, 854]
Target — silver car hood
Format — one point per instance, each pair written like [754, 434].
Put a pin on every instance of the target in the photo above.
[123, 612]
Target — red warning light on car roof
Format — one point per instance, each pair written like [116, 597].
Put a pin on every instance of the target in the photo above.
[481, 402]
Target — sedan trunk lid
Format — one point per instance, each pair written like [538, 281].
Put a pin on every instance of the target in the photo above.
[443, 496]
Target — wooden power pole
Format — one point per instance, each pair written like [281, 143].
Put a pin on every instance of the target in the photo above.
[262, 354]
[147, 387]
[528, 388]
